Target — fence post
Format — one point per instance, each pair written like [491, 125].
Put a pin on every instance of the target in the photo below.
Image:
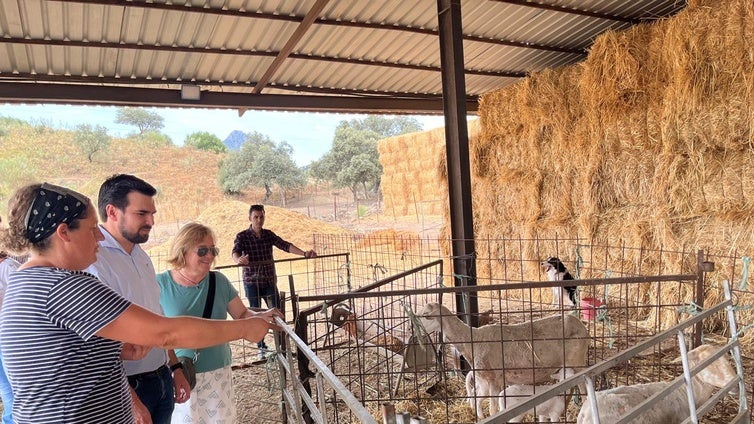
[699, 296]
[388, 413]
[303, 366]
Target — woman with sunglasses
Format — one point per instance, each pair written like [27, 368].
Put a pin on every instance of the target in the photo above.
[63, 331]
[184, 291]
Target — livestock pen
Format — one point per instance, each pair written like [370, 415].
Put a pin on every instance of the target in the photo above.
[359, 317]
[370, 339]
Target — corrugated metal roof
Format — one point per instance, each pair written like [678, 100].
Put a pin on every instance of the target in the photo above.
[381, 49]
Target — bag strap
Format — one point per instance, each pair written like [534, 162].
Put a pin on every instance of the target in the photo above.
[210, 296]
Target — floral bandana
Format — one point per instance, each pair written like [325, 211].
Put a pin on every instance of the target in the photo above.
[53, 206]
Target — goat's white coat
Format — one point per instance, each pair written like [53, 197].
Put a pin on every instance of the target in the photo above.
[476, 391]
[526, 353]
[617, 402]
[551, 409]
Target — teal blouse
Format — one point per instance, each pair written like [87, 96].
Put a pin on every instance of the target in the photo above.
[178, 300]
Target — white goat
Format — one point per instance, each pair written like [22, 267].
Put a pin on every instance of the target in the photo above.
[551, 409]
[476, 390]
[525, 353]
[674, 408]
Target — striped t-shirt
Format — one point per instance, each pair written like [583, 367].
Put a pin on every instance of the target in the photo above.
[59, 370]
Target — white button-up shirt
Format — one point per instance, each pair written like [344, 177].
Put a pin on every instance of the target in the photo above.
[133, 277]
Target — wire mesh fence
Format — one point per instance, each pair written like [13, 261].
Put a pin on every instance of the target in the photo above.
[360, 297]
[622, 301]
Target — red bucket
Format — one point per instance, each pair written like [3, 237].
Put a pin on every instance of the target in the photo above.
[589, 306]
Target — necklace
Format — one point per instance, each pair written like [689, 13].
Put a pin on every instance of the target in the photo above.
[186, 279]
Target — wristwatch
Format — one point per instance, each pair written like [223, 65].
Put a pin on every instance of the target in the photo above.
[176, 366]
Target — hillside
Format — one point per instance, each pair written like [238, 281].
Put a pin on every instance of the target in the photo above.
[227, 218]
[187, 189]
[186, 178]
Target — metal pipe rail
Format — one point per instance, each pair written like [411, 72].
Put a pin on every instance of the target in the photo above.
[367, 291]
[280, 261]
[296, 398]
[364, 293]
[587, 376]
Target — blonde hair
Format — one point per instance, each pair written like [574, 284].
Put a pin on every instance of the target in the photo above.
[188, 236]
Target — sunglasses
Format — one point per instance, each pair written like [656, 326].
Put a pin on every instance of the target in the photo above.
[203, 251]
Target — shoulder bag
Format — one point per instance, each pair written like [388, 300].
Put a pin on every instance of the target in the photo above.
[189, 370]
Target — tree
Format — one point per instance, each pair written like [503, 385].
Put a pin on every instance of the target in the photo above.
[18, 170]
[386, 127]
[141, 118]
[353, 161]
[274, 166]
[260, 162]
[6, 123]
[234, 174]
[91, 140]
[205, 141]
[154, 139]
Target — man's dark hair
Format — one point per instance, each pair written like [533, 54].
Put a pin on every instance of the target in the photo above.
[114, 191]
[253, 208]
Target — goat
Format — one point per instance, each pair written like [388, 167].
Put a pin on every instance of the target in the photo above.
[525, 353]
[674, 408]
[476, 389]
[551, 409]
[556, 271]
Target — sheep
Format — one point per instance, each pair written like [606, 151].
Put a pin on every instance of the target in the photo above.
[525, 353]
[674, 408]
[551, 409]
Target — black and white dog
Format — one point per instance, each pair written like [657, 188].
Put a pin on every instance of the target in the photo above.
[556, 271]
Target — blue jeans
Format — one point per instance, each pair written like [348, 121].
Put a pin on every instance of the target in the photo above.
[156, 392]
[6, 394]
[255, 294]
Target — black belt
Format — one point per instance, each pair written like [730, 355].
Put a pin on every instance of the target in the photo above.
[154, 373]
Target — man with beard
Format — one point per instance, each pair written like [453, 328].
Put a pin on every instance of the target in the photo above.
[126, 208]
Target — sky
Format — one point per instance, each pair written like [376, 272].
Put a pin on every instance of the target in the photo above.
[310, 134]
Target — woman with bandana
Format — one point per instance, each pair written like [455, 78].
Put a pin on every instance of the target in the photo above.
[64, 332]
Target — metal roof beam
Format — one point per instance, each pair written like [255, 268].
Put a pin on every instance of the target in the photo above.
[569, 10]
[152, 97]
[201, 50]
[294, 39]
[333, 22]
[176, 83]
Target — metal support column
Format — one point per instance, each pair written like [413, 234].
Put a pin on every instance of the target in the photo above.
[457, 148]
[699, 297]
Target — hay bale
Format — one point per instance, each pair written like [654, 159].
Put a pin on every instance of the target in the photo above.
[410, 165]
[648, 142]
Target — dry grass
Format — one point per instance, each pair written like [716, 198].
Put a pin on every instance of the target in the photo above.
[228, 217]
[186, 178]
[648, 142]
[409, 185]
